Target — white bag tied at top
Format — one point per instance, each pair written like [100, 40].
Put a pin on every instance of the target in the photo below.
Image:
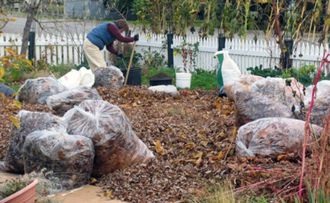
[116, 144]
[78, 78]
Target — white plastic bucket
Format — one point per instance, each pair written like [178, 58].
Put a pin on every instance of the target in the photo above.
[183, 80]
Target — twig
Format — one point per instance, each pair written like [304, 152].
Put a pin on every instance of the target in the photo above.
[324, 141]
[261, 183]
[39, 23]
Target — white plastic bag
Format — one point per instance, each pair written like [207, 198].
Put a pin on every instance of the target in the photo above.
[170, 89]
[74, 78]
[230, 71]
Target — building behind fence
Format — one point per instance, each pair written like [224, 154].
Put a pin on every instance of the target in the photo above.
[67, 49]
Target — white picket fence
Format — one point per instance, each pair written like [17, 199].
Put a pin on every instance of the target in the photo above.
[67, 49]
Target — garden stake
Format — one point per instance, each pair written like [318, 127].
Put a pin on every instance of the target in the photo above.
[130, 63]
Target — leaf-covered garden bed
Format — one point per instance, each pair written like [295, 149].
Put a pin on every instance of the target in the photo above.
[193, 137]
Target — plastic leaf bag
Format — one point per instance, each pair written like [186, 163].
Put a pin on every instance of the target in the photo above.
[64, 101]
[110, 77]
[115, 143]
[268, 97]
[29, 122]
[271, 136]
[170, 89]
[38, 90]
[322, 101]
[68, 157]
[78, 78]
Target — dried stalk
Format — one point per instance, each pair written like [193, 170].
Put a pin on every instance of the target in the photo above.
[307, 122]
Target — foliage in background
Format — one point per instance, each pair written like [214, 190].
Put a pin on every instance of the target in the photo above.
[304, 74]
[122, 8]
[13, 66]
[152, 59]
[60, 69]
[150, 72]
[126, 50]
[161, 16]
[202, 79]
[229, 17]
[188, 51]
[265, 72]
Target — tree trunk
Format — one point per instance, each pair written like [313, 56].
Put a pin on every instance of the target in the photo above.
[278, 32]
[325, 35]
[26, 31]
[32, 11]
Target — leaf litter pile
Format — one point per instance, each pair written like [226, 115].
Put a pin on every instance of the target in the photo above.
[193, 138]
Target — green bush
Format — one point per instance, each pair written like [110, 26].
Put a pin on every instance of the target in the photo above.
[13, 66]
[304, 74]
[153, 59]
[265, 72]
[61, 69]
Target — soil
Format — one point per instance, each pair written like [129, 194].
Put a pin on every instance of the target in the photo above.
[193, 137]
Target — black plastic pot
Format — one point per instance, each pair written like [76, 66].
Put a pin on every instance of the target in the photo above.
[134, 76]
[163, 81]
[160, 79]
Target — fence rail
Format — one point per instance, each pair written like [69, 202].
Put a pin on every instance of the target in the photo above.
[67, 49]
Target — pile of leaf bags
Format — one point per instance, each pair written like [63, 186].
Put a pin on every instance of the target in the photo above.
[29, 122]
[116, 144]
[256, 97]
[64, 101]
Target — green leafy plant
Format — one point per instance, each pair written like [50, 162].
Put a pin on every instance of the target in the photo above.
[161, 16]
[13, 66]
[265, 72]
[314, 196]
[60, 69]
[304, 74]
[202, 79]
[126, 50]
[153, 59]
[12, 186]
[188, 51]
